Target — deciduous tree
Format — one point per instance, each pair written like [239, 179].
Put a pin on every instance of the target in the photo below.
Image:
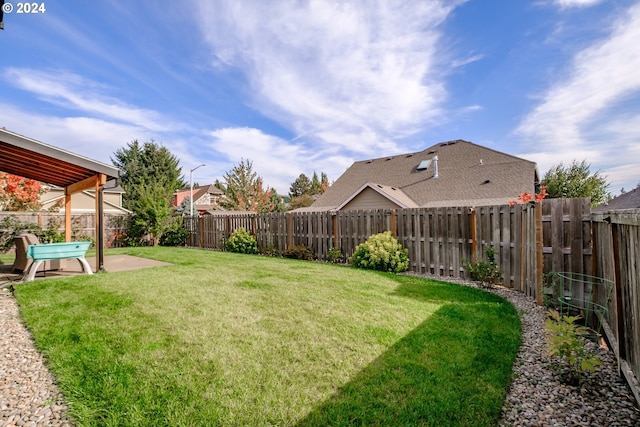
[576, 180]
[19, 194]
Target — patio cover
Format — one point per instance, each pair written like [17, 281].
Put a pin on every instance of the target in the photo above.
[36, 160]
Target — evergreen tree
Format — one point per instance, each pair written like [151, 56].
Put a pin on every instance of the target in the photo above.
[315, 184]
[277, 202]
[302, 185]
[576, 180]
[244, 190]
[151, 175]
[147, 164]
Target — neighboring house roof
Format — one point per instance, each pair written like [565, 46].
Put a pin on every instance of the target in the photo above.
[467, 175]
[200, 202]
[628, 200]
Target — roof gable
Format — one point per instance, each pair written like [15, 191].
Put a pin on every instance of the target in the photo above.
[394, 195]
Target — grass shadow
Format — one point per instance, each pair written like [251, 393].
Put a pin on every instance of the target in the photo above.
[453, 369]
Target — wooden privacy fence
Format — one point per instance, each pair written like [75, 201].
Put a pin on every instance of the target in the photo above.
[617, 258]
[439, 240]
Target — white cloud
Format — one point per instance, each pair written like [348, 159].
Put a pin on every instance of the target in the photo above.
[90, 137]
[77, 93]
[565, 4]
[276, 160]
[335, 68]
[580, 115]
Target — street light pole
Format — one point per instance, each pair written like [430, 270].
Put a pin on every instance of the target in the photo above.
[191, 185]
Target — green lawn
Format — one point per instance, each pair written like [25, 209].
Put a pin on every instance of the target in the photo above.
[221, 339]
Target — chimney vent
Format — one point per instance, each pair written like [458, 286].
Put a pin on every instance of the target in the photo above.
[435, 166]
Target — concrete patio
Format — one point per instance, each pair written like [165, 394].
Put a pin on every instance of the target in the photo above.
[71, 267]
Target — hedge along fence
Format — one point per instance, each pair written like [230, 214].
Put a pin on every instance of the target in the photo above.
[438, 239]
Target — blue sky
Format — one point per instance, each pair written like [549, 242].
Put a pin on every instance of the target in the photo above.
[304, 86]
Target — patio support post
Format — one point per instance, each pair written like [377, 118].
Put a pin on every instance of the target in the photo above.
[101, 179]
[67, 215]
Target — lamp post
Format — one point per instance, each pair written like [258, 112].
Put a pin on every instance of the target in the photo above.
[191, 185]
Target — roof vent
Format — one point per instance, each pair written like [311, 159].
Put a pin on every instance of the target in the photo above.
[432, 152]
[410, 155]
[435, 166]
[388, 158]
[369, 161]
[486, 181]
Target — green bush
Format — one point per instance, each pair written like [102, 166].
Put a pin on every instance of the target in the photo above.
[303, 252]
[381, 252]
[241, 241]
[566, 343]
[11, 226]
[486, 272]
[335, 256]
[270, 250]
[177, 237]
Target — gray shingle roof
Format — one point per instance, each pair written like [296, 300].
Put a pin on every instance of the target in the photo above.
[468, 174]
[628, 200]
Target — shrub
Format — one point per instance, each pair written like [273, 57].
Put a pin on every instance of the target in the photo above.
[486, 272]
[303, 252]
[270, 251]
[241, 241]
[381, 252]
[11, 226]
[566, 342]
[335, 256]
[176, 237]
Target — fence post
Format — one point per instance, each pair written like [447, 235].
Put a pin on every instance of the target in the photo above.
[394, 223]
[474, 237]
[615, 239]
[523, 252]
[200, 225]
[334, 218]
[289, 230]
[539, 256]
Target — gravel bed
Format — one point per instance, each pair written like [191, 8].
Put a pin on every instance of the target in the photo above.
[537, 397]
[29, 396]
